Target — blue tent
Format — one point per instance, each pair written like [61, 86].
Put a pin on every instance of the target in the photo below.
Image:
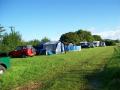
[52, 47]
[72, 47]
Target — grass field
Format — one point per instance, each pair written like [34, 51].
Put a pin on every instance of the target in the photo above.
[84, 70]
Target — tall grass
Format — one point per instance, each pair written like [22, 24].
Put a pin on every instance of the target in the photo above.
[55, 72]
[111, 74]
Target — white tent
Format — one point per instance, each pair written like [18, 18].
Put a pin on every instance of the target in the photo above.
[54, 47]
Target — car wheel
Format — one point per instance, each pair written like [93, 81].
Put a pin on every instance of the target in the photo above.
[2, 69]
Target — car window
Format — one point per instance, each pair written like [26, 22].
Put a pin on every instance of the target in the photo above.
[29, 47]
[19, 48]
[24, 47]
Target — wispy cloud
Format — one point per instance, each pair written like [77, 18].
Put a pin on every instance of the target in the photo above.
[112, 34]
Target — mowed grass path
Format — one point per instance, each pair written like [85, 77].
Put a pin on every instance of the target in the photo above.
[55, 72]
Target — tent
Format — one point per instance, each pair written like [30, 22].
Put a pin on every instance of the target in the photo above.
[72, 47]
[102, 44]
[53, 47]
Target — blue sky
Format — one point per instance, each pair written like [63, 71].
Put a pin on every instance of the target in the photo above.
[35, 19]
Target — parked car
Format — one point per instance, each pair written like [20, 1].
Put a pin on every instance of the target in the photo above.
[96, 43]
[91, 45]
[84, 44]
[4, 62]
[87, 44]
[23, 51]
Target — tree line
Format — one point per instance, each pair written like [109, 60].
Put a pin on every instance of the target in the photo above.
[9, 41]
[79, 36]
[84, 35]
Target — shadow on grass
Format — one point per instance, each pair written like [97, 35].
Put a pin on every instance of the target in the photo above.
[108, 78]
[76, 78]
[104, 76]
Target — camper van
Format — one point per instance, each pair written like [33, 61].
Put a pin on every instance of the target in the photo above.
[96, 43]
[87, 44]
[84, 44]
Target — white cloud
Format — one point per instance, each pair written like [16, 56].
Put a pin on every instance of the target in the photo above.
[115, 34]
[112, 34]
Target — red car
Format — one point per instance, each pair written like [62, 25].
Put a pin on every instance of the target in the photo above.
[23, 51]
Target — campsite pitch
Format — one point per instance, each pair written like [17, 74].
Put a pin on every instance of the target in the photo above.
[70, 71]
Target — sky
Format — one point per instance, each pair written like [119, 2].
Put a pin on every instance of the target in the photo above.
[35, 19]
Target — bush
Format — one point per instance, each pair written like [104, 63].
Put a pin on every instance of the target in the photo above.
[10, 41]
[109, 42]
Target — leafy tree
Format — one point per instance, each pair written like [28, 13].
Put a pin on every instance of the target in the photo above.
[11, 40]
[117, 41]
[70, 37]
[97, 37]
[84, 35]
[34, 42]
[1, 30]
[109, 42]
[45, 39]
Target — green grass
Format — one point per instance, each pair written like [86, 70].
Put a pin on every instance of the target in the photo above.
[110, 76]
[56, 72]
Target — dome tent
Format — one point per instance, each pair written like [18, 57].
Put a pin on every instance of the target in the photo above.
[52, 47]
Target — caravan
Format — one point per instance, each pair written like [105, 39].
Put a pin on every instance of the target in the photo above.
[96, 43]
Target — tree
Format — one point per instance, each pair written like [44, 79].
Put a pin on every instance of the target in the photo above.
[45, 39]
[34, 42]
[70, 37]
[97, 37]
[1, 30]
[109, 42]
[84, 35]
[117, 41]
[11, 40]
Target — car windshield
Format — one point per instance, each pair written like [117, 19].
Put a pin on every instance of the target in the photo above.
[19, 48]
[29, 46]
